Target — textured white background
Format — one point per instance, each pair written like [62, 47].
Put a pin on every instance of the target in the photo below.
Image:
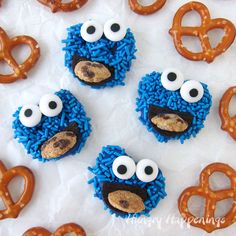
[61, 192]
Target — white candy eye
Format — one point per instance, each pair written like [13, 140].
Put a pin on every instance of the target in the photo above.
[147, 170]
[91, 31]
[124, 167]
[192, 91]
[172, 79]
[50, 105]
[30, 115]
[114, 30]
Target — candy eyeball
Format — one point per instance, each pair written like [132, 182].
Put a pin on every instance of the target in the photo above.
[192, 91]
[115, 30]
[124, 167]
[147, 170]
[172, 79]
[91, 31]
[30, 115]
[50, 105]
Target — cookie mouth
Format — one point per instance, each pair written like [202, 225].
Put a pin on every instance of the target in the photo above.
[169, 122]
[62, 143]
[91, 72]
[124, 199]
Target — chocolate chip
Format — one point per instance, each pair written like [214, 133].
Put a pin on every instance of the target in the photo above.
[124, 203]
[62, 143]
[87, 73]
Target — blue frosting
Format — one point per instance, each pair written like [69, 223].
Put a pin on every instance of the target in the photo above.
[33, 138]
[118, 55]
[104, 174]
[151, 92]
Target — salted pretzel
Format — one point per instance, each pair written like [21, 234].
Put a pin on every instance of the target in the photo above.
[62, 231]
[208, 53]
[13, 209]
[19, 70]
[58, 5]
[138, 8]
[209, 222]
[228, 122]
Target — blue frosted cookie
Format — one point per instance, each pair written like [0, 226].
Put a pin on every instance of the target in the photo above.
[97, 55]
[171, 107]
[128, 189]
[54, 128]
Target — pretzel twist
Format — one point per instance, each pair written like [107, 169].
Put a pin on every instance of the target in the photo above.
[212, 197]
[146, 10]
[19, 70]
[228, 122]
[61, 231]
[14, 208]
[57, 5]
[208, 53]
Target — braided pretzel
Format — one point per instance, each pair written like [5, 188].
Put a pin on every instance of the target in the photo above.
[6, 46]
[146, 10]
[228, 123]
[208, 222]
[208, 53]
[14, 208]
[63, 230]
[57, 5]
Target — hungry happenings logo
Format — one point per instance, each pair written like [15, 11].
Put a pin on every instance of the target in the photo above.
[161, 222]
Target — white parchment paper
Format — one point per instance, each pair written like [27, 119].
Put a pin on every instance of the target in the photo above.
[62, 194]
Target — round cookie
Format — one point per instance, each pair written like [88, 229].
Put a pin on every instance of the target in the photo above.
[55, 128]
[172, 108]
[97, 55]
[126, 188]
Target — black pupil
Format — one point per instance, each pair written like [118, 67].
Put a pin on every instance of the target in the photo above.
[52, 105]
[28, 112]
[148, 170]
[122, 169]
[193, 93]
[115, 27]
[91, 29]
[172, 76]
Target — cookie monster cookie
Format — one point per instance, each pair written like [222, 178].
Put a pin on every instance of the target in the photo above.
[99, 56]
[172, 108]
[126, 188]
[54, 129]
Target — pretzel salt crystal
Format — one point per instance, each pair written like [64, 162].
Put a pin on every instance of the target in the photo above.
[58, 5]
[146, 10]
[19, 70]
[208, 53]
[14, 208]
[209, 222]
[61, 231]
